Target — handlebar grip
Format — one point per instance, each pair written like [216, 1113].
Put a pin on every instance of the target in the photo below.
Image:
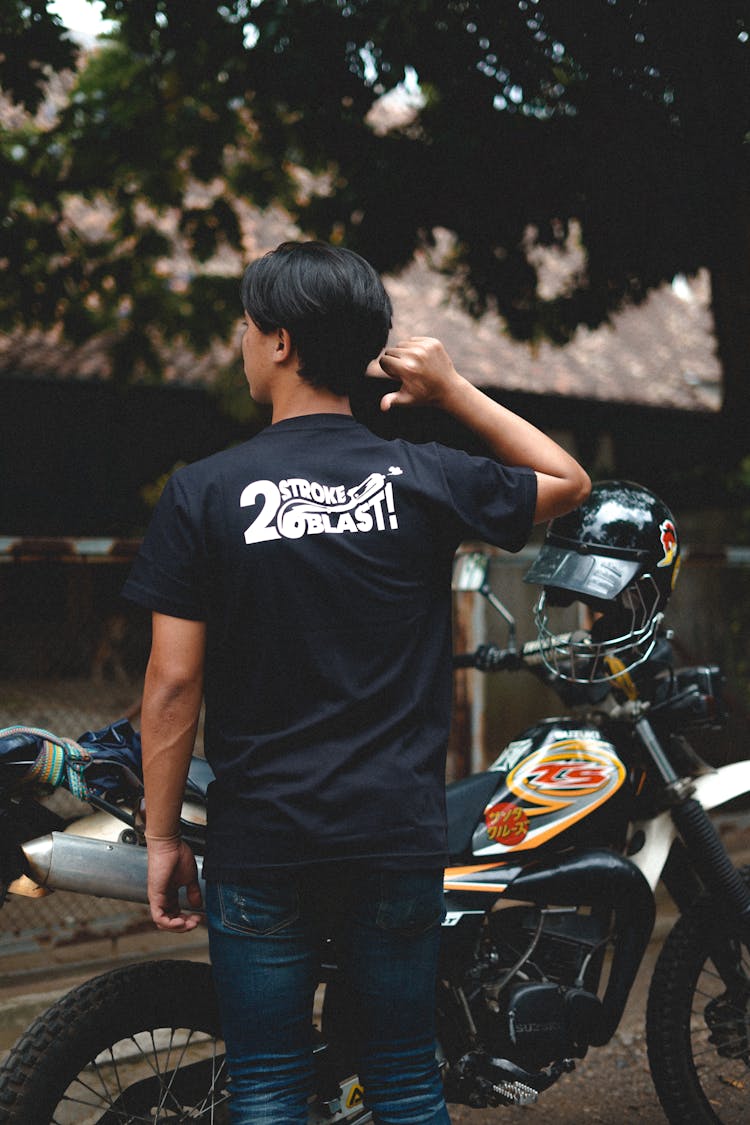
[491, 658]
[488, 658]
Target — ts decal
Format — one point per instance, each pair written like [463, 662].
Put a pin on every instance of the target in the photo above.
[296, 507]
[555, 776]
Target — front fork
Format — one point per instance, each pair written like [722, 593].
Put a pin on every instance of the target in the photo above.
[709, 857]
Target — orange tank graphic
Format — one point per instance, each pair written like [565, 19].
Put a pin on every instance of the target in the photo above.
[546, 784]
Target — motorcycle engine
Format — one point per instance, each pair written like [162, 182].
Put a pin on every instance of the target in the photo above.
[532, 993]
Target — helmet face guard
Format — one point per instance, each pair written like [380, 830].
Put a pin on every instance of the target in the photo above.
[618, 554]
[619, 640]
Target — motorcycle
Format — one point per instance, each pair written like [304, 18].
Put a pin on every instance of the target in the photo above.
[556, 852]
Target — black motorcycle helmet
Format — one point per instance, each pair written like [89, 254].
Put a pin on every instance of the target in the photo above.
[619, 555]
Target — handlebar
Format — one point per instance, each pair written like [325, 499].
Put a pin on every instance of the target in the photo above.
[492, 658]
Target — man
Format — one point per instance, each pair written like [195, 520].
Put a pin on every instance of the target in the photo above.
[302, 582]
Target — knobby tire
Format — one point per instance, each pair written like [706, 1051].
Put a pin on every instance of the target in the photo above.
[140, 1044]
[698, 1030]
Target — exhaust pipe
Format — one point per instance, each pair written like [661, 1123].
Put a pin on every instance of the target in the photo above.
[64, 862]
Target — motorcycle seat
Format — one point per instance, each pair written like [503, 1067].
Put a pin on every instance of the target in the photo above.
[466, 800]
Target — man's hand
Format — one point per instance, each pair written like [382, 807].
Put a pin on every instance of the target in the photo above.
[425, 370]
[171, 865]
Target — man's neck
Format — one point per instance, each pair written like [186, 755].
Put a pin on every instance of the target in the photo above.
[302, 398]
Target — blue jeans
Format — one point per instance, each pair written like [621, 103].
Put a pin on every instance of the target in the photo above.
[265, 942]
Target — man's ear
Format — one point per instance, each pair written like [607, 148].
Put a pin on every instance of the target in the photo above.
[284, 346]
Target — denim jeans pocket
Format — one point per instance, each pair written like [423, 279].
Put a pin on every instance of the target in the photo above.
[411, 902]
[259, 910]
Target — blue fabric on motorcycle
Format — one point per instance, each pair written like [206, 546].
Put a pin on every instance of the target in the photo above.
[115, 768]
[104, 763]
[56, 761]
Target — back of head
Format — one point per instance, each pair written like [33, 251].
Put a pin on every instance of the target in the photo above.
[330, 300]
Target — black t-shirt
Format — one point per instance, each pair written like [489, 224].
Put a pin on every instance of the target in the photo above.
[319, 555]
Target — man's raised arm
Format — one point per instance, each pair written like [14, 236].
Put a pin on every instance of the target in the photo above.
[428, 378]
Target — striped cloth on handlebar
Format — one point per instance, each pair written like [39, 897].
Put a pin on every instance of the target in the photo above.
[60, 761]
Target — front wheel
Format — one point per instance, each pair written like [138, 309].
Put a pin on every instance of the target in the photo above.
[140, 1044]
[698, 1021]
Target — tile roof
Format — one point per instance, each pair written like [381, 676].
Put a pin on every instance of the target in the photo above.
[661, 353]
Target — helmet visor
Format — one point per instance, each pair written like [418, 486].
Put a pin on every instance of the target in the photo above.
[594, 576]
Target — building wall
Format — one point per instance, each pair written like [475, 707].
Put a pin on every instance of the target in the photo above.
[74, 456]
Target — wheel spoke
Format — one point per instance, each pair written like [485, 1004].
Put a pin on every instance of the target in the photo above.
[216, 1074]
[726, 1043]
[167, 1090]
[150, 1097]
[720, 1028]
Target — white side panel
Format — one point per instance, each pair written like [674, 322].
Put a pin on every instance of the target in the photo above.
[713, 789]
[660, 833]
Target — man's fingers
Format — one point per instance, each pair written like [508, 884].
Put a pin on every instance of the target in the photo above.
[194, 895]
[180, 924]
[175, 922]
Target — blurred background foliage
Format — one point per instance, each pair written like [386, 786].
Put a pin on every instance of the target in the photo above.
[629, 117]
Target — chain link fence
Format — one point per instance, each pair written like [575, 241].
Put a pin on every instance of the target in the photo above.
[72, 659]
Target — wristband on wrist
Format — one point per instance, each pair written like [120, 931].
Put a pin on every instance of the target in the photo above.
[163, 839]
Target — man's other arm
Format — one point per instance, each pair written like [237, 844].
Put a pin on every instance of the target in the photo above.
[172, 698]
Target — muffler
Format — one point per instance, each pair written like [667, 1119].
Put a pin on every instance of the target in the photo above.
[64, 862]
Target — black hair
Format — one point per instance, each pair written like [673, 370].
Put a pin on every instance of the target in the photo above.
[331, 302]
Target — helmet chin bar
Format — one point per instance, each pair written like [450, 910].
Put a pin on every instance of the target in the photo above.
[580, 659]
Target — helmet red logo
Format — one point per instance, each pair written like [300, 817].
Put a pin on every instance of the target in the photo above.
[668, 537]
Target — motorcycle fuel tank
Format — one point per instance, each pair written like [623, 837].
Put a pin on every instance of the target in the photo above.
[551, 779]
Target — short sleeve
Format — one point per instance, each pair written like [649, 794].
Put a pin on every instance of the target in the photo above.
[168, 575]
[491, 502]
